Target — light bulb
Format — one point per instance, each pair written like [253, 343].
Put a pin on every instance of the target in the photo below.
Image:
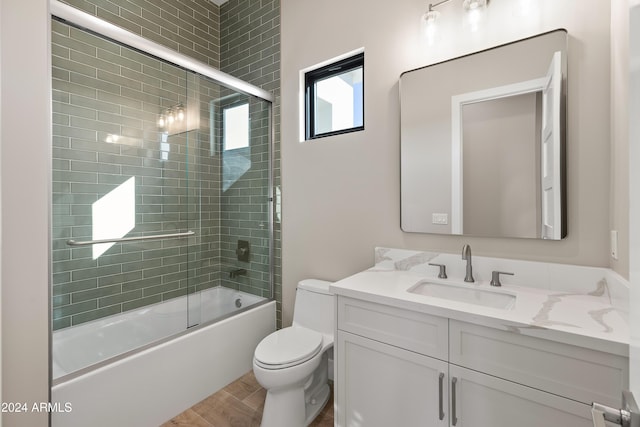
[430, 27]
[181, 114]
[430, 17]
[474, 10]
[473, 4]
[474, 18]
[161, 121]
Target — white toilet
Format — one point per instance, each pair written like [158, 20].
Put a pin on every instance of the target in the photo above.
[292, 363]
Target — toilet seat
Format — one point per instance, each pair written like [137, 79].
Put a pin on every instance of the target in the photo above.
[287, 347]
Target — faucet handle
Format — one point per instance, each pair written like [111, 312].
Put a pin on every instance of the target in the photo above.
[443, 270]
[495, 277]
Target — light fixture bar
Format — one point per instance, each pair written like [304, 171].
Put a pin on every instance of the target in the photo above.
[432, 5]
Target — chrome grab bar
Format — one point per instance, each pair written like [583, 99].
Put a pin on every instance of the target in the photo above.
[131, 239]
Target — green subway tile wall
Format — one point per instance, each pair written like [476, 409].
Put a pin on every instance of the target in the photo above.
[102, 91]
[250, 50]
[191, 27]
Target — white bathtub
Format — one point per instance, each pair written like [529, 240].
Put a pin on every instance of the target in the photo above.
[148, 387]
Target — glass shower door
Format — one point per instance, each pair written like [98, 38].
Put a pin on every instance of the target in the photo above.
[245, 200]
[232, 168]
[125, 211]
[161, 191]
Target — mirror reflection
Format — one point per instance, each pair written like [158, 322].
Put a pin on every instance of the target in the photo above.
[482, 142]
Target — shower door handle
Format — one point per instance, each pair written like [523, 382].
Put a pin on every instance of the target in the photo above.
[132, 239]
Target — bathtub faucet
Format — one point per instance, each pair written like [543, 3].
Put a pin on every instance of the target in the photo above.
[238, 272]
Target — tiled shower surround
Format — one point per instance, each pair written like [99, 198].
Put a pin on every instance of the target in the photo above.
[107, 101]
[250, 50]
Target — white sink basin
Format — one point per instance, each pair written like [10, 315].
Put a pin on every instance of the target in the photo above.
[469, 295]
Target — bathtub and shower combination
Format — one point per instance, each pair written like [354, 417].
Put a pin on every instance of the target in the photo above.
[147, 319]
[141, 368]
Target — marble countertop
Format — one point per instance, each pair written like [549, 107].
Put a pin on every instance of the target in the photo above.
[585, 318]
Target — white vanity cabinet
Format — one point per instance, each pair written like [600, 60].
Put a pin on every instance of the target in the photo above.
[483, 400]
[407, 368]
[384, 386]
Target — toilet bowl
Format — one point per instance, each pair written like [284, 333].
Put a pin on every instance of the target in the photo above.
[292, 363]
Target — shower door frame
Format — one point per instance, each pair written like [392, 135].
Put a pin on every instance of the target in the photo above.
[127, 38]
[90, 23]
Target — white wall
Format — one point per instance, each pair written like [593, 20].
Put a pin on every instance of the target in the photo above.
[0, 214]
[25, 90]
[633, 38]
[341, 194]
[619, 190]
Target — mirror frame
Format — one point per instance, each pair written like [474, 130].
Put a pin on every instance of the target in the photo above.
[474, 96]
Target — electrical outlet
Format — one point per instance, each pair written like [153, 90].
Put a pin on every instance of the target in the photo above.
[440, 218]
[614, 244]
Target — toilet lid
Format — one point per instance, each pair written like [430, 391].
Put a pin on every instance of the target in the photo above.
[288, 346]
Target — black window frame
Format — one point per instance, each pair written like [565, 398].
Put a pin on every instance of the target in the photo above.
[313, 76]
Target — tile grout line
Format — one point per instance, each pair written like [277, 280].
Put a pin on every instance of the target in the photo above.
[200, 417]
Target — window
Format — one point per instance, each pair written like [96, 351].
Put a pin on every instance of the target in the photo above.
[334, 98]
[236, 127]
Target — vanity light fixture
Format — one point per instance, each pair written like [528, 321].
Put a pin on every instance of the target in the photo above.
[429, 22]
[171, 115]
[473, 9]
[431, 16]
[177, 119]
[469, 5]
[112, 138]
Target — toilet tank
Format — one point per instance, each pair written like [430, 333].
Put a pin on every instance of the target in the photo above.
[314, 306]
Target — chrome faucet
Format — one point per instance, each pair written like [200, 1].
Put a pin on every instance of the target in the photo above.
[237, 272]
[466, 255]
[495, 277]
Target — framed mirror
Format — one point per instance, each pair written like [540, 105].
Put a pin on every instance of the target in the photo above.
[482, 142]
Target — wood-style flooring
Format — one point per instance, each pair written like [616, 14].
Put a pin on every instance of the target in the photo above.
[239, 404]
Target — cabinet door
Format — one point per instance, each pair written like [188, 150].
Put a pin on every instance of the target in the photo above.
[382, 385]
[480, 400]
[555, 367]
